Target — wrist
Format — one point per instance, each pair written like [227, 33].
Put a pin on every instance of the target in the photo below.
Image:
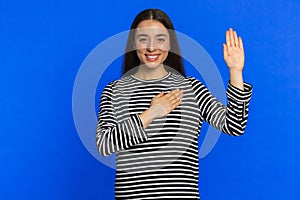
[236, 72]
[146, 118]
[148, 113]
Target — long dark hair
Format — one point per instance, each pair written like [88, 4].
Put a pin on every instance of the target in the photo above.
[173, 60]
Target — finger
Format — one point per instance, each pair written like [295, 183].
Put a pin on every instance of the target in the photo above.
[236, 40]
[181, 94]
[179, 98]
[175, 97]
[231, 37]
[225, 51]
[178, 94]
[160, 94]
[176, 104]
[227, 38]
[241, 45]
[172, 93]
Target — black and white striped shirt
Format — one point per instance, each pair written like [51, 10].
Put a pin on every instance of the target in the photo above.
[161, 161]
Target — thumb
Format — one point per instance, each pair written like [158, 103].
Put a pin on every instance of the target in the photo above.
[160, 94]
[225, 51]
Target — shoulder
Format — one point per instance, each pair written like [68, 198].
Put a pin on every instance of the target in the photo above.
[179, 78]
[119, 84]
[194, 81]
[108, 89]
[110, 85]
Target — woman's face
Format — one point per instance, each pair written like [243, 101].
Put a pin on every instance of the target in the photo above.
[152, 42]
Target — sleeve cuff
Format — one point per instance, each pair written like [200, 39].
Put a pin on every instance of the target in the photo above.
[137, 119]
[140, 132]
[238, 94]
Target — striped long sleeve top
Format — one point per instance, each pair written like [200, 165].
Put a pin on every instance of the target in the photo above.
[161, 161]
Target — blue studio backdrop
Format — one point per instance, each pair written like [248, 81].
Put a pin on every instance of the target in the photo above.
[43, 45]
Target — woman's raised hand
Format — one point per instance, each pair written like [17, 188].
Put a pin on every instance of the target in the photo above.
[234, 51]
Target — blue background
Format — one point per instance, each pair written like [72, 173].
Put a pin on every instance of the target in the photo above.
[43, 44]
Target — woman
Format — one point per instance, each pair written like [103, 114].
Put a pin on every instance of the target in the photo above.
[152, 116]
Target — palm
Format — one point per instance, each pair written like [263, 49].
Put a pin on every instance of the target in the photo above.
[234, 51]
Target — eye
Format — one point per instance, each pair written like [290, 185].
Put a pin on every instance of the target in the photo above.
[143, 40]
[161, 40]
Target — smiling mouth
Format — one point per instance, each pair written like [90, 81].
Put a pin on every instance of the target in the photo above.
[152, 58]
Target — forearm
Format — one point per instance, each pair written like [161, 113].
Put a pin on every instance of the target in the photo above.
[237, 109]
[113, 138]
[236, 79]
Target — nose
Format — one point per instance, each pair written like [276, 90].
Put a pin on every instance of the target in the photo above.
[151, 46]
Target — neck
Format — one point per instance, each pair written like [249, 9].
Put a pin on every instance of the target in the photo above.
[146, 73]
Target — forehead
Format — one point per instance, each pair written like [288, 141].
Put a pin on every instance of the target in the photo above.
[151, 27]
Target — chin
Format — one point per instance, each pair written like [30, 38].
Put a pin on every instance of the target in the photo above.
[153, 65]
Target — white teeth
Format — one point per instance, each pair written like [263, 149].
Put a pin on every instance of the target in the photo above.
[152, 57]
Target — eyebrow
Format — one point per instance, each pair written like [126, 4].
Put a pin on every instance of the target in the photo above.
[145, 35]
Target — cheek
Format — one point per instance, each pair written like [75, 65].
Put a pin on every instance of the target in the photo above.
[140, 54]
[165, 47]
[140, 51]
[165, 54]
